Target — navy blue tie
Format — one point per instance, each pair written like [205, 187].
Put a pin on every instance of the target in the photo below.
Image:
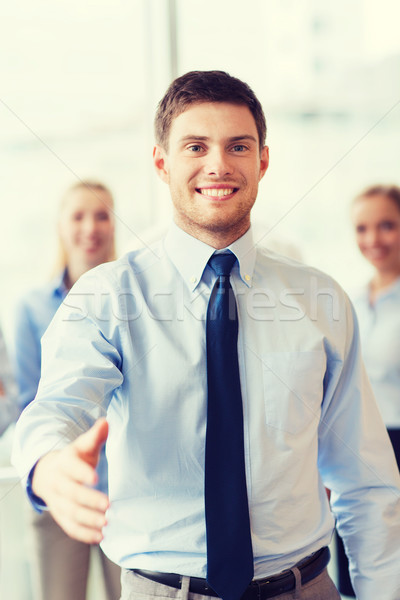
[229, 549]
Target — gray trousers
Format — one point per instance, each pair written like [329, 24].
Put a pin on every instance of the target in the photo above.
[135, 587]
[60, 565]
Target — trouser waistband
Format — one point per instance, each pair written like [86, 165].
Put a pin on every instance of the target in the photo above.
[259, 589]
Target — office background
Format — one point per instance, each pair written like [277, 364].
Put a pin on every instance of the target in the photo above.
[79, 84]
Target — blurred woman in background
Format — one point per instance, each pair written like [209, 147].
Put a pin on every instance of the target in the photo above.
[376, 220]
[86, 239]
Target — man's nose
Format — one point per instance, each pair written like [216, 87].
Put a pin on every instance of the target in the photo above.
[218, 163]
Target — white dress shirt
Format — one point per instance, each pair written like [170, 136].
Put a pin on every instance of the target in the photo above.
[33, 313]
[129, 343]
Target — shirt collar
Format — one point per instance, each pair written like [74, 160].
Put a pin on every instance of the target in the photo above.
[190, 255]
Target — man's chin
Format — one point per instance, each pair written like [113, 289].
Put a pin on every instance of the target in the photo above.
[223, 229]
[225, 224]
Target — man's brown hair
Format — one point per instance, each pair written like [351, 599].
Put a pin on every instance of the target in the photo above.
[205, 86]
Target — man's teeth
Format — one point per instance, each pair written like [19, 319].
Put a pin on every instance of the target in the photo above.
[217, 192]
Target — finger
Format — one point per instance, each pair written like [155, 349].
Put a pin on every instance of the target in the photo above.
[82, 533]
[82, 515]
[89, 444]
[78, 495]
[87, 517]
[75, 468]
[78, 520]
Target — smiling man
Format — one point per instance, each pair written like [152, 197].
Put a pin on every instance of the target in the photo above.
[233, 388]
[213, 164]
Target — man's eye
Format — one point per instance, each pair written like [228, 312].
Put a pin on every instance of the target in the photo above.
[195, 148]
[239, 148]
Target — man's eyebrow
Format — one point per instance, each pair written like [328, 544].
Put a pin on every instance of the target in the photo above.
[204, 138]
[197, 138]
[239, 138]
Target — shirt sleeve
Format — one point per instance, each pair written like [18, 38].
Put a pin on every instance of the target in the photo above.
[357, 464]
[80, 371]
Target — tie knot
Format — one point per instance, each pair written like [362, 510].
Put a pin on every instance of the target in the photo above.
[222, 264]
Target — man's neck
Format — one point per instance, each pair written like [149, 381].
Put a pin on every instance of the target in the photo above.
[215, 239]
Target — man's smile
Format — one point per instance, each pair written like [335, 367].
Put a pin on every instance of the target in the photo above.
[217, 192]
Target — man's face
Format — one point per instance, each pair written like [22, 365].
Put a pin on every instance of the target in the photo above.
[213, 167]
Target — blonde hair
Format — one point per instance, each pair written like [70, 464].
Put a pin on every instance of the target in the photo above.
[92, 186]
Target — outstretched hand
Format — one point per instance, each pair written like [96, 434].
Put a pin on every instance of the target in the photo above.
[63, 479]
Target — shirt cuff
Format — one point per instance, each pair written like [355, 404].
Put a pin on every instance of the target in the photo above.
[38, 504]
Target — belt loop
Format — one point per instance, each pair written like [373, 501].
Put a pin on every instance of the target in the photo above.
[297, 576]
[185, 583]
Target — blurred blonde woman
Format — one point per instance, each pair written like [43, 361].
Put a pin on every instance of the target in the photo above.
[376, 219]
[86, 239]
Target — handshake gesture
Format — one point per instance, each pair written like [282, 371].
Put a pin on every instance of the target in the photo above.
[63, 479]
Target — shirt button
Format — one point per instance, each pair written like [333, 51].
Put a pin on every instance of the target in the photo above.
[247, 277]
[193, 279]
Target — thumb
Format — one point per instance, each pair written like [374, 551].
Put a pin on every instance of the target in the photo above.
[89, 444]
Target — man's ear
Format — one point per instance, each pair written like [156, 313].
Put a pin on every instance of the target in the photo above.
[161, 163]
[264, 161]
